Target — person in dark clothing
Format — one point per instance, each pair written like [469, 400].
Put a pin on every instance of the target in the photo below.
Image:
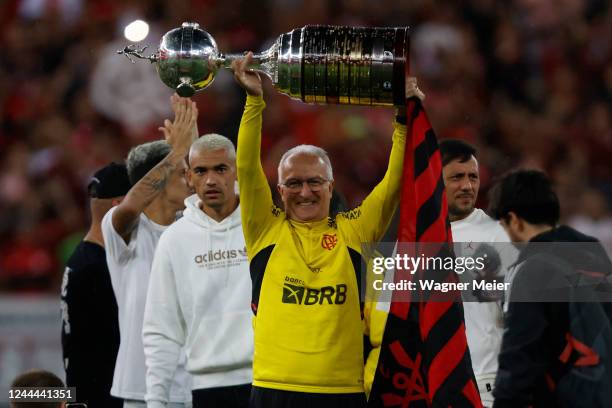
[90, 329]
[537, 353]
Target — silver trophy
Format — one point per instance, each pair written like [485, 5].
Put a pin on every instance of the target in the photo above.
[315, 64]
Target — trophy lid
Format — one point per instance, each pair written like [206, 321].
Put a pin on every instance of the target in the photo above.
[190, 24]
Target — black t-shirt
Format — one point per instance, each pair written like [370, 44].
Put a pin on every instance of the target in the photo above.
[90, 328]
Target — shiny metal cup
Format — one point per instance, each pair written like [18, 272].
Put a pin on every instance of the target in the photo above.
[315, 64]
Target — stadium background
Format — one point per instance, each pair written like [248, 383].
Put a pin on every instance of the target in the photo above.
[529, 82]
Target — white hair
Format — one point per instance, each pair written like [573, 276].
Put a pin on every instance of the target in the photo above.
[213, 141]
[309, 150]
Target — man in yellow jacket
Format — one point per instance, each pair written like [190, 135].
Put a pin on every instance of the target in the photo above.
[305, 266]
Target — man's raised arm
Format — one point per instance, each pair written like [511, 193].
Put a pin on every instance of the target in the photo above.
[378, 207]
[180, 136]
[255, 197]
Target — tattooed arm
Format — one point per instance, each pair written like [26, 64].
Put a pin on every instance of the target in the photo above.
[179, 135]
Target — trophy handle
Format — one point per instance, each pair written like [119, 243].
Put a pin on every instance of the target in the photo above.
[132, 51]
[265, 62]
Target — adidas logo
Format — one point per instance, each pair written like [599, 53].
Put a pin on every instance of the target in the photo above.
[220, 255]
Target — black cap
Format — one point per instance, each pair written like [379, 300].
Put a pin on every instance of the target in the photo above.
[109, 182]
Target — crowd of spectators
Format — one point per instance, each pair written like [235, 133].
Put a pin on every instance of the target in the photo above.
[529, 82]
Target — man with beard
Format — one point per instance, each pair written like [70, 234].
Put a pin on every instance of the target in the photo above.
[471, 227]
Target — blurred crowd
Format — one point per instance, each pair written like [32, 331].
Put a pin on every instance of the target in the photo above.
[529, 82]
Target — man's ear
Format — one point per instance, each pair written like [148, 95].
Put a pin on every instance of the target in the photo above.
[331, 186]
[279, 189]
[188, 176]
[515, 222]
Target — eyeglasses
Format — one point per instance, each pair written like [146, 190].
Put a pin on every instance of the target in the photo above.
[314, 184]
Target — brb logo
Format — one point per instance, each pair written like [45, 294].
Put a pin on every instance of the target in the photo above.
[300, 295]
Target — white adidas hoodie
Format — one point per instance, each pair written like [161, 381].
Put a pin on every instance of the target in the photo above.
[199, 296]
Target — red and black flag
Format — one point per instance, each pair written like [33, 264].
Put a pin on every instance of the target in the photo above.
[424, 359]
